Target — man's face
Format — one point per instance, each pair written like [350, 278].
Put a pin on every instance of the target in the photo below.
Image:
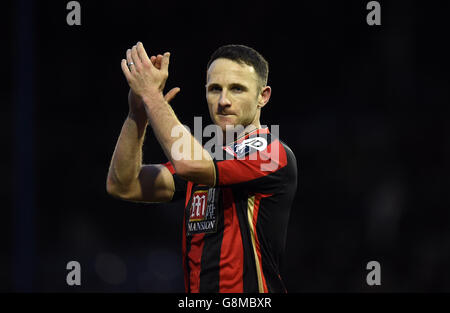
[232, 92]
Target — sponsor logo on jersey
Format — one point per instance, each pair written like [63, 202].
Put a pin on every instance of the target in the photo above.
[243, 148]
[202, 212]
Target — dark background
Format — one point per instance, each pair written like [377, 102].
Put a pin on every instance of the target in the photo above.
[364, 108]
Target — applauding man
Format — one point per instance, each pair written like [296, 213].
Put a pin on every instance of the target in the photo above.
[237, 197]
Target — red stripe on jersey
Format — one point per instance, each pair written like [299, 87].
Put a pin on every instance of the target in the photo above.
[170, 167]
[183, 244]
[195, 261]
[258, 197]
[188, 193]
[232, 250]
[185, 265]
[268, 161]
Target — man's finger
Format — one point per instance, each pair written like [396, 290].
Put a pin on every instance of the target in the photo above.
[165, 62]
[142, 53]
[158, 61]
[171, 94]
[130, 62]
[135, 58]
[125, 69]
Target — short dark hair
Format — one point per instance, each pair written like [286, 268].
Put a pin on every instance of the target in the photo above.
[243, 54]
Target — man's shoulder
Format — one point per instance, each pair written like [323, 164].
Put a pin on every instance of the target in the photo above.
[288, 150]
[274, 140]
[285, 155]
[261, 141]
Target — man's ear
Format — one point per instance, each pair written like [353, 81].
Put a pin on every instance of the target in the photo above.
[264, 96]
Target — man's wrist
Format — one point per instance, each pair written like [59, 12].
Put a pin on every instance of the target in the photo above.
[153, 97]
[140, 117]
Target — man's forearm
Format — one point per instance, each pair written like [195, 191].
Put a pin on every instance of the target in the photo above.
[126, 161]
[192, 162]
[146, 77]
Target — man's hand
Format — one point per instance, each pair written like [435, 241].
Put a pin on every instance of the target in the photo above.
[146, 78]
[145, 75]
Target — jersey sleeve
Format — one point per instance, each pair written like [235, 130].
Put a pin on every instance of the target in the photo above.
[180, 183]
[254, 161]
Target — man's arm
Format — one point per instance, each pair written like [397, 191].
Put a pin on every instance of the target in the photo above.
[147, 80]
[127, 178]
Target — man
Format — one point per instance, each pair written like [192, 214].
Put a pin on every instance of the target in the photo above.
[237, 199]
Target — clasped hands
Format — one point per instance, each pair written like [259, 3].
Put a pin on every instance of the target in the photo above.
[146, 76]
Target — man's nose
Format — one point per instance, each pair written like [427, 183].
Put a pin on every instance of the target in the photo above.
[223, 100]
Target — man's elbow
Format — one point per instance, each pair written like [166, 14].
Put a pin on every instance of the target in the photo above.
[114, 189]
[132, 194]
[111, 187]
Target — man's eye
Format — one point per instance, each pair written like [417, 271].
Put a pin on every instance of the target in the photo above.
[237, 88]
[214, 89]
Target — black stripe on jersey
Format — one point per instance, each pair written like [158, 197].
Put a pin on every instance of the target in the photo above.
[188, 244]
[271, 262]
[210, 269]
[188, 275]
[216, 183]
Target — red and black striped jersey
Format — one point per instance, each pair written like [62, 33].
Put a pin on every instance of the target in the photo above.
[234, 234]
